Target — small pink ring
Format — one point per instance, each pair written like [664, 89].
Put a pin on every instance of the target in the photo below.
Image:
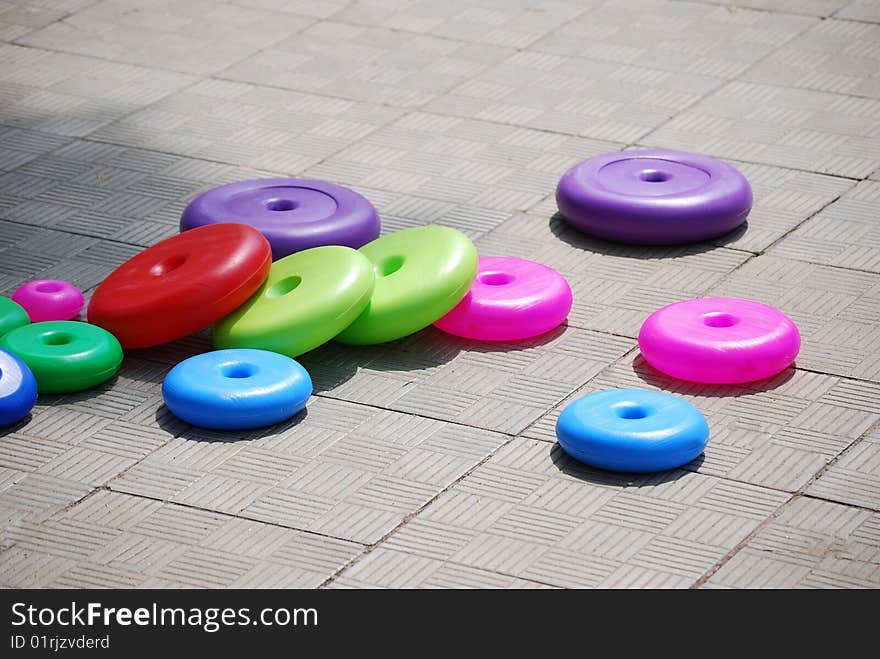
[719, 340]
[510, 299]
[49, 299]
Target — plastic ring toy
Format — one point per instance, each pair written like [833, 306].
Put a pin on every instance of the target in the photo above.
[292, 213]
[49, 299]
[182, 284]
[632, 430]
[65, 355]
[654, 197]
[308, 298]
[510, 299]
[18, 389]
[421, 274]
[236, 389]
[12, 315]
[719, 340]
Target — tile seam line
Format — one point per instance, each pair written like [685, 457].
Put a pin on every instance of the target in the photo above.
[138, 495]
[404, 113]
[798, 494]
[202, 75]
[584, 12]
[726, 83]
[217, 75]
[509, 439]
[408, 518]
[763, 10]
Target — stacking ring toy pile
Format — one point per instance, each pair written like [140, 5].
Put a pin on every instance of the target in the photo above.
[12, 315]
[18, 389]
[293, 214]
[65, 355]
[421, 274]
[510, 299]
[308, 298]
[631, 430]
[654, 197]
[182, 284]
[333, 277]
[719, 340]
[49, 299]
[236, 389]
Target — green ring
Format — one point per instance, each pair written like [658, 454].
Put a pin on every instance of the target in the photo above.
[12, 315]
[65, 355]
[421, 274]
[307, 299]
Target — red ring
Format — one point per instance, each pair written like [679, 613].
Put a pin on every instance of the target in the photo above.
[181, 284]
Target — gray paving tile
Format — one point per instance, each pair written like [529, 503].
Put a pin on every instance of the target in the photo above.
[22, 146]
[72, 95]
[532, 513]
[836, 310]
[844, 234]
[576, 96]
[20, 17]
[197, 36]
[111, 193]
[855, 478]
[860, 10]
[249, 125]
[501, 388]
[338, 469]
[686, 37]
[370, 64]
[812, 544]
[113, 540]
[509, 23]
[832, 56]
[776, 433]
[798, 128]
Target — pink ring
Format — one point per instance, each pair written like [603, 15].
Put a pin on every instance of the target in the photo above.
[49, 299]
[510, 299]
[719, 340]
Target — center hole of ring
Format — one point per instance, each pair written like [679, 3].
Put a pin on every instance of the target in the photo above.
[48, 287]
[281, 205]
[169, 264]
[240, 370]
[720, 319]
[284, 286]
[631, 411]
[654, 176]
[56, 338]
[389, 266]
[495, 278]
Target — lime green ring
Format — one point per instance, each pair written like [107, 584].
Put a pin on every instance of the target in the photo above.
[12, 315]
[421, 274]
[65, 355]
[307, 299]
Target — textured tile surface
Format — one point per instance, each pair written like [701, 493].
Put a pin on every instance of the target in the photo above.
[797, 128]
[812, 544]
[431, 462]
[845, 234]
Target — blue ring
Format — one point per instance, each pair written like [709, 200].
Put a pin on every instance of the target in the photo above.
[632, 430]
[18, 389]
[236, 389]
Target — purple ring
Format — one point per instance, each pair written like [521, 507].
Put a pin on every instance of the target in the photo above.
[654, 197]
[292, 213]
